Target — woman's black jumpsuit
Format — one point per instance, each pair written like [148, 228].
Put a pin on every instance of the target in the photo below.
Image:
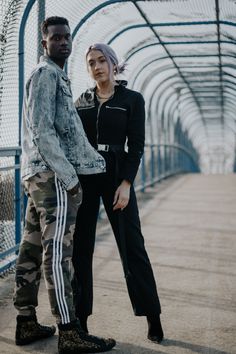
[110, 125]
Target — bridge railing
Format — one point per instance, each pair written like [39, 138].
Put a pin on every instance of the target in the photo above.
[11, 204]
[159, 162]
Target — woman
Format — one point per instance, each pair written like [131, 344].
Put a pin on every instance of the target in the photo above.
[111, 115]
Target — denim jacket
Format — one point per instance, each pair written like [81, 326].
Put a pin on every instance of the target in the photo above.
[53, 137]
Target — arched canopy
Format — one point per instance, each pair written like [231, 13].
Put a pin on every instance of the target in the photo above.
[180, 55]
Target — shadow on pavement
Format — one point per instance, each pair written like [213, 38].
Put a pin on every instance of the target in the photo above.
[193, 347]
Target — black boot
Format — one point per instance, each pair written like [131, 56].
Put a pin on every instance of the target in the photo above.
[73, 340]
[155, 331]
[28, 330]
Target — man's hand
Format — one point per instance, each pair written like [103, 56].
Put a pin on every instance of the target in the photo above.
[121, 198]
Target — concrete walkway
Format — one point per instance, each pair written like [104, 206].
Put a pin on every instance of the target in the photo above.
[189, 225]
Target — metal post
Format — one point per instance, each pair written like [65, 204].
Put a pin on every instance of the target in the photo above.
[21, 94]
[41, 17]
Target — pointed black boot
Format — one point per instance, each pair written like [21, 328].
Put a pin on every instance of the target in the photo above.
[155, 331]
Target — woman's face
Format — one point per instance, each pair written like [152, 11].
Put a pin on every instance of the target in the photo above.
[98, 66]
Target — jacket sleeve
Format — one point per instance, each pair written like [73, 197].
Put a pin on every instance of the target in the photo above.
[41, 114]
[136, 138]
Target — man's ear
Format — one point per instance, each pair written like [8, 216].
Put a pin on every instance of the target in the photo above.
[44, 43]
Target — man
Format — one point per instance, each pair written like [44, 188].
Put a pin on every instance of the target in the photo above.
[54, 150]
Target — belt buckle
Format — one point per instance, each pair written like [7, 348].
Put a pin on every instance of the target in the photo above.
[103, 147]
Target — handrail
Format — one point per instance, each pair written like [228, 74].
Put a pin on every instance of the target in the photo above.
[163, 170]
[10, 151]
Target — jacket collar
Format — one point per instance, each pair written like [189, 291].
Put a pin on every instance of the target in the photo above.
[119, 83]
[88, 98]
[46, 59]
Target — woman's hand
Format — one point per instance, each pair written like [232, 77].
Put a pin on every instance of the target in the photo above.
[121, 198]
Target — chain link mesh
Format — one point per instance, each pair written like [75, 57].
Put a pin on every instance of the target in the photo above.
[7, 210]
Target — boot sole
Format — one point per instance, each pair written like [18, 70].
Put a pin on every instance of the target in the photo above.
[155, 339]
[88, 350]
[31, 340]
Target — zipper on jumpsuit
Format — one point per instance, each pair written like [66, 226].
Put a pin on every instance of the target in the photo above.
[99, 108]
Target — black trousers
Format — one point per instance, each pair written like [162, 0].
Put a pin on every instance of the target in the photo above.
[126, 227]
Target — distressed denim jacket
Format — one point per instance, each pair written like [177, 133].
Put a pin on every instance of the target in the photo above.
[53, 137]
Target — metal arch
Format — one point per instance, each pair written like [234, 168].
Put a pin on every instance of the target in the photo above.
[170, 24]
[175, 43]
[150, 26]
[184, 114]
[188, 99]
[225, 80]
[160, 70]
[231, 109]
[155, 92]
[164, 104]
[176, 56]
[169, 54]
[170, 115]
[229, 97]
[160, 107]
[149, 115]
[106, 3]
[229, 112]
[194, 118]
[193, 130]
[146, 64]
[192, 74]
[148, 23]
[92, 12]
[230, 75]
[229, 81]
[163, 82]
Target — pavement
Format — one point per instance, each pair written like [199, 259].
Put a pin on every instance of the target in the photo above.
[189, 225]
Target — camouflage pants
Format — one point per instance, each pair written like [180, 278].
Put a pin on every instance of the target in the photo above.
[48, 236]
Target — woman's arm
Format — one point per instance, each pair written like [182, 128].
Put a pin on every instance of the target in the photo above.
[135, 139]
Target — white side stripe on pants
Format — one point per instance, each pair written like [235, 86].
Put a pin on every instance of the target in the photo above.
[57, 252]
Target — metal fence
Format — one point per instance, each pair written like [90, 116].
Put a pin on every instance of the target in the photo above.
[11, 205]
[158, 163]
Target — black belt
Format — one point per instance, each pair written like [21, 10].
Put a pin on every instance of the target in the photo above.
[106, 147]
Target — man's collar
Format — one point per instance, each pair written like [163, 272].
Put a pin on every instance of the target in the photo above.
[47, 59]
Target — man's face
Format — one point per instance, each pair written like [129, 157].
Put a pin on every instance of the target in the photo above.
[58, 42]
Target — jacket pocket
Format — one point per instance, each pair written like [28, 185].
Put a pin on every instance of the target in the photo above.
[117, 108]
[66, 97]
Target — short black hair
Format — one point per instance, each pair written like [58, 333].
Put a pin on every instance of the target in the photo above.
[51, 21]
